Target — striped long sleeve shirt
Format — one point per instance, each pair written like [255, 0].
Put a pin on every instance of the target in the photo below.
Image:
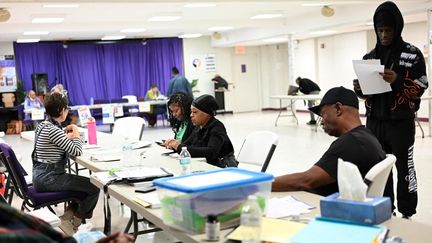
[52, 142]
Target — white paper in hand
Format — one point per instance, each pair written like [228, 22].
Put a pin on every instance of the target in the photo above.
[350, 182]
[370, 81]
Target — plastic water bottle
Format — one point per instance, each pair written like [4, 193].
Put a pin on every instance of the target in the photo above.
[185, 161]
[250, 221]
[91, 131]
[128, 154]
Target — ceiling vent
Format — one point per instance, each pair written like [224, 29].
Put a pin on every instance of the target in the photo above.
[4, 15]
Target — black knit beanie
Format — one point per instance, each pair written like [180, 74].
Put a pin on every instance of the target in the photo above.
[206, 103]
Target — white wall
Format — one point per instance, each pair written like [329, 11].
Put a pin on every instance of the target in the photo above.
[201, 46]
[6, 48]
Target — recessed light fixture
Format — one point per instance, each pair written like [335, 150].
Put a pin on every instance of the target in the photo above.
[267, 16]
[199, 5]
[36, 33]
[28, 40]
[220, 28]
[47, 20]
[113, 37]
[323, 32]
[164, 18]
[315, 4]
[137, 30]
[61, 5]
[276, 39]
[186, 36]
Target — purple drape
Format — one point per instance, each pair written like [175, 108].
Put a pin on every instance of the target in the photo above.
[101, 71]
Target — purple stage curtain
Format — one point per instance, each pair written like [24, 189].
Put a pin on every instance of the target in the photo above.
[101, 71]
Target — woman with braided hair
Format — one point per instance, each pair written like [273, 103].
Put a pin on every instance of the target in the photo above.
[179, 109]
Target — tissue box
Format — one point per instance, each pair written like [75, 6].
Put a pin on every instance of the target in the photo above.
[372, 211]
[187, 200]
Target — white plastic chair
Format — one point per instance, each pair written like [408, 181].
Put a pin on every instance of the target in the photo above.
[377, 176]
[131, 98]
[257, 149]
[129, 127]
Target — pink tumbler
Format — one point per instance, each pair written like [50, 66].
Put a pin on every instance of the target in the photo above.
[91, 130]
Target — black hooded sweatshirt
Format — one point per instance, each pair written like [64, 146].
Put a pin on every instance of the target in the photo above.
[408, 63]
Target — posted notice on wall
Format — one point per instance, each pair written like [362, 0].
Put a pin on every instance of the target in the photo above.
[206, 63]
[8, 81]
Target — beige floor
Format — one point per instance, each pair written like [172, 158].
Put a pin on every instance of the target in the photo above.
[299, 147]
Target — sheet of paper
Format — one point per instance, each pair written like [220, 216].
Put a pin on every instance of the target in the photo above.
[152, 198]
[140, 172]
[371, 82]
[104, 176]
[273, 230]
[106, 157]
[286, 206]
[324, 231]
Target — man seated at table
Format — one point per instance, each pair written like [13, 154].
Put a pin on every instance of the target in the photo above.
[31, 102]
[354, 143]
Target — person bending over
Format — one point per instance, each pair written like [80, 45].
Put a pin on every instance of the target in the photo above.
[354, 143]
[307, 86]
[209, 138]
[51, 154]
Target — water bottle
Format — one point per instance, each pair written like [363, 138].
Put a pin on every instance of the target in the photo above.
[185, 161]
[128, 154]
[250, 221]
[91, 131]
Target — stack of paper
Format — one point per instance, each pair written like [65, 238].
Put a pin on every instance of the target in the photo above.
[287, 206]
[106, 157]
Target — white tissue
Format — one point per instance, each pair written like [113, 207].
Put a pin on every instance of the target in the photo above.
[350, 182]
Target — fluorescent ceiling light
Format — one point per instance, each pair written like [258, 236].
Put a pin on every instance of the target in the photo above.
[61, 5]
[276, 39]
[220, 28]
[190, 36]
[323, 32]
[132, 30]
[113, 37]
[36, 33]
[164, 18]
[28, 40]
[47, 20]
[199, 5]
[267, 16]
[315, 4]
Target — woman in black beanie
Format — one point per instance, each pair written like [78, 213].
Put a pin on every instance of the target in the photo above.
[209, 138]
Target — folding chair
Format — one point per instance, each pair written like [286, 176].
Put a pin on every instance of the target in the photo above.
[377, 176]
[257, 149]
[129, 127]
[32, 198]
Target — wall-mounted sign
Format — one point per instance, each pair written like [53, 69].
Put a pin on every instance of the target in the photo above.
[8, 82]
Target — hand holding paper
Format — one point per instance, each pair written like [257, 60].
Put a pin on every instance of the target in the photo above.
[370, 79]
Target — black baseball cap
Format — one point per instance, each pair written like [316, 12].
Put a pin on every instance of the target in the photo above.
[334, 95]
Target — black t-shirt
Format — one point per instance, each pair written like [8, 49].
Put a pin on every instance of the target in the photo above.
[358, 146]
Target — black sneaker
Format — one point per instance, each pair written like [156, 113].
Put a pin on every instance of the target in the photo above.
[406, 217]
[313, 122]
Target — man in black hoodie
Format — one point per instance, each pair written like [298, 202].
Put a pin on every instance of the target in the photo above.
[390, 116]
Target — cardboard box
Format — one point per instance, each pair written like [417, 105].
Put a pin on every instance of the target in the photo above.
[372, 211]
[186, 201]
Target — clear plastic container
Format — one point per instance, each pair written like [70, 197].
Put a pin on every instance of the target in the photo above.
[187, 200]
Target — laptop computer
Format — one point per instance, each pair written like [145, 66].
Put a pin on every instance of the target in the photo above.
[292, 90]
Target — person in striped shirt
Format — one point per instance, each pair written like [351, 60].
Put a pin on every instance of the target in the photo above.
[53, 145]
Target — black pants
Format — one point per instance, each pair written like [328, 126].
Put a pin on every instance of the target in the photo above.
[397, 137]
